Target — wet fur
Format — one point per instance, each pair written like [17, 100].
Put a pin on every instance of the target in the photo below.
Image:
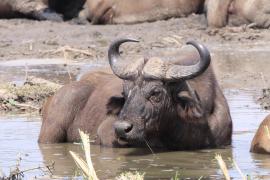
[184, 122]
[96, 102]
[260, 143]
[78, 105]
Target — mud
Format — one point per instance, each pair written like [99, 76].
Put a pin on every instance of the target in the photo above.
[264, 99]
[26, 97]
[24, 39]
[20, 38]
[240, 54]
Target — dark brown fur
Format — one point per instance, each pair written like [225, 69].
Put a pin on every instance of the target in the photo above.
[54, 10]
[78, 105]
[96, 102]
[189, 122]
[68, 8]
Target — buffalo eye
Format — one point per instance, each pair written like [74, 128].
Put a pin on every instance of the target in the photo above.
[155, 96]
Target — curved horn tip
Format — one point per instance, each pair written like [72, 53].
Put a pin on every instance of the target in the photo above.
[191, 42]
[122, 40]
[133, 40]
[197, 44]
[114, 56]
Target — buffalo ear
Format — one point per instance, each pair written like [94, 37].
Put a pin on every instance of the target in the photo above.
[188, 103]
[184, 96]
[115, 104]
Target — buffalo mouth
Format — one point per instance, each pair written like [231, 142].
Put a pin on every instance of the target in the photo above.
[130, 142]
[128, 135]
[122, 141]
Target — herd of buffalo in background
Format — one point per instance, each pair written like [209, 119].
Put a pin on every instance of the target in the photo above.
[218, 13]
[172, 105]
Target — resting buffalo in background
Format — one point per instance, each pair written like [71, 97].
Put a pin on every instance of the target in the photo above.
[130, 11]
[54, 10]
[261, 141]
[218, 12]
[171, 104]
[238, 12]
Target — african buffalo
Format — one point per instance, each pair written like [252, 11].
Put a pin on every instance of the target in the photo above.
[218, 12]
[167, 104]
[54, 10]
[254, 12]
[130, 11]
[261, 141]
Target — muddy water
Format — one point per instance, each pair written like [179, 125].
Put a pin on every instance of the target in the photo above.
[18, 134]
[57, 70]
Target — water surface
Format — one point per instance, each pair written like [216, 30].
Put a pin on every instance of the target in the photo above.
[18, 134]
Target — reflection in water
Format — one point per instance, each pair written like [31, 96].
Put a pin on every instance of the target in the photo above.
[19, 134]
[246, 118]
[110, 162]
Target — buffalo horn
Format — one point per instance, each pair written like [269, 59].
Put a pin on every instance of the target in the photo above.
[159, 69]
[119, 68]
[176, 72]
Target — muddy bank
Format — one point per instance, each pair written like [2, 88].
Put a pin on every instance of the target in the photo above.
[264, 99]
[239, 55]
[26, 97]
[20, 38]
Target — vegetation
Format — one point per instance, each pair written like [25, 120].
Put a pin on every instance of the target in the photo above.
[87, 167]
[17, 173]
[130, 176]
[225, 171]
[29, 96]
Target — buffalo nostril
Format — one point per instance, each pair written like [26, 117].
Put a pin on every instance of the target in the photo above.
[128, 128]
[122, 128]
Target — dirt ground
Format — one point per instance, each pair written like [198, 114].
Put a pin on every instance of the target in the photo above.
[240, 55]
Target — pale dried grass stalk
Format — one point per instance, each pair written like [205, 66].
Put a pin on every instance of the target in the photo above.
[223, 166]
[86, 144]
[80, 163]
[86, 167]
[130, 176]
[70, 49]
[239, 170]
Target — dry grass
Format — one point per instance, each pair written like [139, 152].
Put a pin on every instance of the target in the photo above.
[130, 176]
[17, 173]
[29, 96]
[239, 170]
[223, 166]
[86, 167]
[225, 171]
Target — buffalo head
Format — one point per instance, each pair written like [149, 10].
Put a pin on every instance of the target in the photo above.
[155, 95]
